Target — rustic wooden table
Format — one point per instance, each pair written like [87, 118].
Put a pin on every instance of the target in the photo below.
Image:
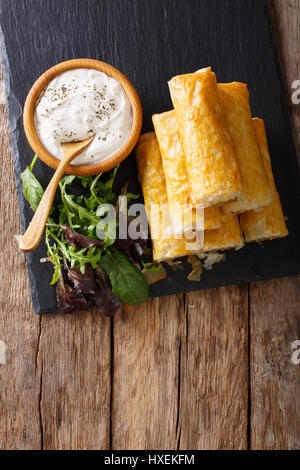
[205, 370]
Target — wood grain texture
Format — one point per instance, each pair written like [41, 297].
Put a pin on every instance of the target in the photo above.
[275, 380]
[19, 326]
[285, 16]
[146, 377]
[74, 360]
[55, 385]
[274, 305]
[214, 370]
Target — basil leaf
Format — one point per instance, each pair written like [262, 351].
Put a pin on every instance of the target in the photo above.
[128, 283]
[32, 189]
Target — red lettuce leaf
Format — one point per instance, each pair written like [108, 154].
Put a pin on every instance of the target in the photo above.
[86, 282]
[80, 241]
[77, 291]
[134, 249]
[105, 301]
[70, 299]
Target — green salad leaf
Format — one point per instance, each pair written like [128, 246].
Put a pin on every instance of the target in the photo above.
[75, 214]
[32, 188]
[53, 254]
[90, 272]
[128, 283]
[152, 267]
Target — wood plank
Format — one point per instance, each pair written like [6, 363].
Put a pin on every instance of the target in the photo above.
[55, 385]
[146, 353]
[285, 16]
[275, 380]
[274, 305]
[214, 372]
[45, 378]
[19, 326]
[74, 359]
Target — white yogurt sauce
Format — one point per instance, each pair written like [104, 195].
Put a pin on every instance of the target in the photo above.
[80, 103]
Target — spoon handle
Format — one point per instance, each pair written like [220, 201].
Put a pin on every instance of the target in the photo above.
[35, 230]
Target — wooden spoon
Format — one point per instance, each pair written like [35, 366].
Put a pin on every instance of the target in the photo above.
[35, 230]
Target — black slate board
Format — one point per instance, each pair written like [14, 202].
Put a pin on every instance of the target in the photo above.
[150, 41]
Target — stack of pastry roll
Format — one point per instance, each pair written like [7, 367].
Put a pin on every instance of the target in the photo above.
[173, 162]
[152, 180]
[208, 156]
[211, 167]
[268, 222]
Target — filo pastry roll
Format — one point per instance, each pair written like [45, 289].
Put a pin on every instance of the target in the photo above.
[212, 171]
[182, 211]
[152, 181]
[256, 192]
[268, 222]
[228, 236]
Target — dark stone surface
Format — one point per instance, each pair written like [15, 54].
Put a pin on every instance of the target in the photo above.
[150, 41]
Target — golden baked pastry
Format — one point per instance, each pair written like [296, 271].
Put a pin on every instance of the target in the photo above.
[256, 192]
[152, 181]
[268, 222]
[181, 209]
[224, 238]
[212, 171]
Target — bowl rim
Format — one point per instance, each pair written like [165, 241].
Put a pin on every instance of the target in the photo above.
[94, 168]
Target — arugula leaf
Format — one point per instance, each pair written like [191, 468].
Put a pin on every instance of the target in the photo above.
[80, 212]
[72, 206]
[54, 256]
[85, 180]
[102, 192]
[152, 267]
[92, 189]
[82, 257]
[61, 245]
[56, 273]
[131, 196]
[90, 203]
[92, 257]
[32, 188]
[111, 181]
[128, 283]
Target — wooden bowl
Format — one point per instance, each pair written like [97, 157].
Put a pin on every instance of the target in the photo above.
[95, 168]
